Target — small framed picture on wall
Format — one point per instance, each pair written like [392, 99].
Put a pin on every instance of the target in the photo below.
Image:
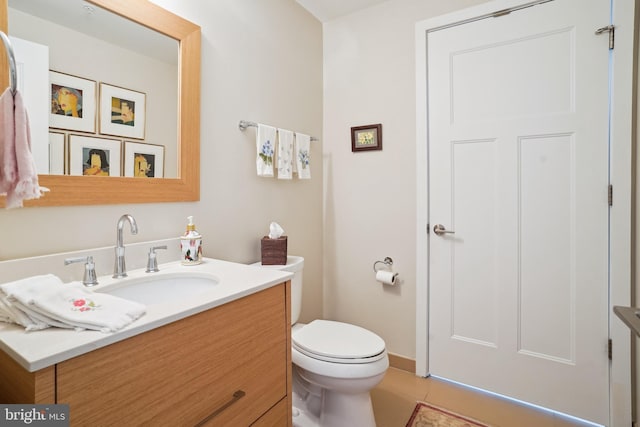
[366, 138]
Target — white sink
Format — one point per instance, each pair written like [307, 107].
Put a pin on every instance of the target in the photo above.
[158, 288]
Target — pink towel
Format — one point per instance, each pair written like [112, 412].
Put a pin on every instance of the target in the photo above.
[8, 166]
[18, 175]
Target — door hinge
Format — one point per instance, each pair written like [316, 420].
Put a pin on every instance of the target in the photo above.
[608, 29]
[610, 195]
[610, 349]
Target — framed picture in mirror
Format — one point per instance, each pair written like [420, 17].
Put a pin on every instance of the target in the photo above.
[56, 153]
[143, 160]
[91, 156]
[122, 112]
[73, 102]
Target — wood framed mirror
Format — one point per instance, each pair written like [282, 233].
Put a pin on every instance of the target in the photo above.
[68, 190]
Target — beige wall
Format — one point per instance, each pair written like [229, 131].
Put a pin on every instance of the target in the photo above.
[261, 61]
[369, 197]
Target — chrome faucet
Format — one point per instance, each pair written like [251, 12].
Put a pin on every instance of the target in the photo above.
[89, 278]
[119, 269]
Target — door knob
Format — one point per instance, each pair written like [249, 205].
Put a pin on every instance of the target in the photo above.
[440, 230]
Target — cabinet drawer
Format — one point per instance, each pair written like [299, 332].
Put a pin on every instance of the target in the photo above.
[181, 373]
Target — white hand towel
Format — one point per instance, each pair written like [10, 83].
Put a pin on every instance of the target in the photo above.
[17, 295]
[74, 305]
[303, 153]
[5, 313]
[265, 147]
[25, 289]
[38, 318]
[13, 314]
[285, 154]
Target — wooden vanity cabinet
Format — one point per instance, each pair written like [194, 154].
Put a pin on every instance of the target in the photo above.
[186, 373]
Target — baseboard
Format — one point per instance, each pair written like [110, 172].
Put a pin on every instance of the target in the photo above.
[402, 362]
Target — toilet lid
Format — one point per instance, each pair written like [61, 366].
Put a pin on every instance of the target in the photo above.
[338, 342]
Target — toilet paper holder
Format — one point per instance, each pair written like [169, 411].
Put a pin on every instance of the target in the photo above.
[388, 262]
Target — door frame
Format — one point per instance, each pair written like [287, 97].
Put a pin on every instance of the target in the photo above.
[621, 169]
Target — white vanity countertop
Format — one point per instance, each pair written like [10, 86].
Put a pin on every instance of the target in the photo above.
[39, 349]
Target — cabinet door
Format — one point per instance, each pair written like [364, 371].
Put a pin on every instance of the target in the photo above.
[183, 372]
[278, 416]
[17, 385]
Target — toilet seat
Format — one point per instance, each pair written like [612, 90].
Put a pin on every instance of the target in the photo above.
[338, 342]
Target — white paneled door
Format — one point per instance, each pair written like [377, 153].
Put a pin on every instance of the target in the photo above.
[518, 179]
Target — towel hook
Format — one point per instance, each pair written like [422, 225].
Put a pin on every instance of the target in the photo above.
[388, 262]
[12, 62]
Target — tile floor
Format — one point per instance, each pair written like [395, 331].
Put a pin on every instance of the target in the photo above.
[395, 397]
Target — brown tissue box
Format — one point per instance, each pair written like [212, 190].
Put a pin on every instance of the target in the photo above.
[274, 251]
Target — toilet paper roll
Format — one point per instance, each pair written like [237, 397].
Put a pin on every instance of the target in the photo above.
[386, 277]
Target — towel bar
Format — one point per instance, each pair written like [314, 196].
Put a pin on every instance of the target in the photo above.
[244, 124]
[13, 76]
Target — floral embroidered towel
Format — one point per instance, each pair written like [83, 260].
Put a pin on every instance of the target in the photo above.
[41, 301]
[78, 307]
[285, 154]
[265, 147]
[303, 166]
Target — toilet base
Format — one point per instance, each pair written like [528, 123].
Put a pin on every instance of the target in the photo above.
[317, 407]
[353, 410]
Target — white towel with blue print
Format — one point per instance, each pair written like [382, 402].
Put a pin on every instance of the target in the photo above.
[303, 153]
[285, 154]
[265, 149]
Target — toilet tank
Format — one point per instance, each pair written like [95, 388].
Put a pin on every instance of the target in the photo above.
[294, 265]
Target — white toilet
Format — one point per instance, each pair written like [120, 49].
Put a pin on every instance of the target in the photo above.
[335, 365]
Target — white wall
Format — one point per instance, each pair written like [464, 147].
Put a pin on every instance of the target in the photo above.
[369, 197]
[261, 61]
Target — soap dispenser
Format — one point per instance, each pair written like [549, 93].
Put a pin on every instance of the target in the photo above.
[191, 245]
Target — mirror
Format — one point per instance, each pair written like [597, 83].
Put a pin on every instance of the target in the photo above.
[92, 49]
[79, 190]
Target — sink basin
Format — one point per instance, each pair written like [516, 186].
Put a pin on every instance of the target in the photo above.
[161, 288]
